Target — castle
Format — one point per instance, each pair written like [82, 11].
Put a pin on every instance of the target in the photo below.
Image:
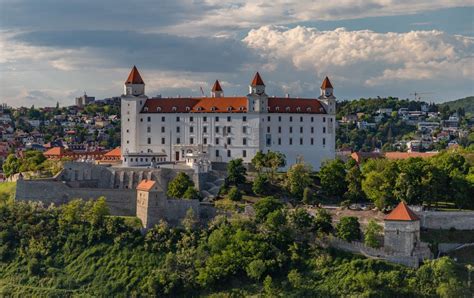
[219, 128]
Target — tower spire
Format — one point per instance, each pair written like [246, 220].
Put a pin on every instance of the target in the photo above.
[257, 80]
[134, 77]
[216, 89]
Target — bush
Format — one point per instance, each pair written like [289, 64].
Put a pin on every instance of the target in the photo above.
[266, 206]
[234, 194]
[192, 194]
[348, 228]
[178, 186]
[259, 184]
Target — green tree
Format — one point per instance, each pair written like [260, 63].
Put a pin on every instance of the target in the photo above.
[11, 165]
[178, 186]
[192, 194]
[265, 206]
[274, 160]
[372, 234]
[332, 175]
[297, 179]
[307, 196]
[259, 161]
[353, 180]
[323, 221]
[234, 194]
[259, 184]
[348, 228]
[236, 172]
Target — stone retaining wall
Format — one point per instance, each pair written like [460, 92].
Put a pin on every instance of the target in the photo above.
[459, 220]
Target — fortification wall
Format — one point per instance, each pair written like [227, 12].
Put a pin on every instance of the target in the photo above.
[460, 220]
[120, 201]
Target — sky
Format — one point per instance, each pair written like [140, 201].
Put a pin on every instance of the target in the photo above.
[55, 50]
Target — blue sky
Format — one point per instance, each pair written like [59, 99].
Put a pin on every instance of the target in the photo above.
[54, 50]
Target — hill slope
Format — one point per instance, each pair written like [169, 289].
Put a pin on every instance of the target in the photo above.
[466, 103]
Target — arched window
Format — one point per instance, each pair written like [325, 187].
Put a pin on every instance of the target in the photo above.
[199, 108]
[287, 109]
[213, 109]
[298, 109]
[188, 109]
[173, 109]
[241, 108]
[158, 109]
[145, 109]
[277, 109]
[308, 109]
[229, 109]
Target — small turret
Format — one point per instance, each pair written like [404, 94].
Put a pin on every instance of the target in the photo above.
[134, 84]
[257, 86]
[327, 96]
[217, 90]
[326, 88]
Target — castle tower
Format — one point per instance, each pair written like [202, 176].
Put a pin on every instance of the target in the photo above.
[258, 100]
[402, 230]
[327, 96]
[217, 90]
[132, 102]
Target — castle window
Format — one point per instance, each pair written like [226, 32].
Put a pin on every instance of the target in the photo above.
[298, 109]
[228, 119]
[178, 129]
[324, 141]
[244, 153]
[312, 129]
[312, 119]
[191, 129]
[204, 119]
[308, 109]
[158, 109]
[279, 141]
[268, 129]
[324, 129]
[279, 129]
[163, 119]
[291, 129]
[213, 109]
[148, 129]
[241, 108]
[228, 153]
[269, 118]
[301, 129]
[191, 141]
[217, 129]
[229, 128]
[191, 119]
[217, 153]
[177, 119]
[163, 141]
[268, 109]
[204, 129]
[188, 109]
[312, 141]
[204, 140]
[244, 129]
[217, 119]
[244, 118]
[229, 141]
[290, 141]
[324, 119]
[127, 130]
[301, 119]
[199, 108]
[287, 109]
[162, 129]
[301, 141]
[178, 141]
[173, 109]
[244, 141]
[291, 119]
[229, 109]
[217, 141]
[277, 109]
[145, 109]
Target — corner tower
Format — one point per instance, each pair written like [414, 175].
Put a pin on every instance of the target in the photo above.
[217, 90]
[257, 99]
[132, 102]
[327, 96]
[402, 230]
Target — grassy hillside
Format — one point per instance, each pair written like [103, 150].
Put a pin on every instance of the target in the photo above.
[466, 103]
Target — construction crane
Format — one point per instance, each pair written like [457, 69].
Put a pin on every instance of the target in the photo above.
[417, 95]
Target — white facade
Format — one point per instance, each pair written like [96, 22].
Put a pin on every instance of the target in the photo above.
[227, 128]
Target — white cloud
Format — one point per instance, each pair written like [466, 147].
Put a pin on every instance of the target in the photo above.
[227, 16]
[366, 57]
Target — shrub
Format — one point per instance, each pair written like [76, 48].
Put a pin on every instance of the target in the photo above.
[348, 228]
[234, 194]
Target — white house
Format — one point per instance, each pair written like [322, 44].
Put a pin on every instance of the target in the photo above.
[224, 128]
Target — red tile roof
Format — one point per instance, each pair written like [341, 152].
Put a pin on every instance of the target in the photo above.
[114, 153]
[295, 105]
[257, 80]
[402, 212]
[134, 77]
[326, 84]
[146, 185]
[405, 155]
[59, 151]
[216, 87]
[196, 105]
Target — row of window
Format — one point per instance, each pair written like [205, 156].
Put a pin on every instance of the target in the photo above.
[229, 119]
[229, 141]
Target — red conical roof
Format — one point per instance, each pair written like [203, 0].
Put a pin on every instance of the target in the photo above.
[402, 212]
[216, 87]
[326, 84]
[134, 77]
[257, 80]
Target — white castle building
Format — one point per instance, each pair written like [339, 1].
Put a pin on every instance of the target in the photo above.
[220, 128]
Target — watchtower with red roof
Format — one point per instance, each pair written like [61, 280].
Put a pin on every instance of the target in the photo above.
[327, 96]
[402, 230]
[258, 100]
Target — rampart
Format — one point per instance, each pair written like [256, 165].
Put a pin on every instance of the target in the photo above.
[459, 220]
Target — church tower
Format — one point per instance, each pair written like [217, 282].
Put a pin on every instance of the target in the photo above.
[327, 97]
[217, 90]
[132, 102]
[257, 99]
